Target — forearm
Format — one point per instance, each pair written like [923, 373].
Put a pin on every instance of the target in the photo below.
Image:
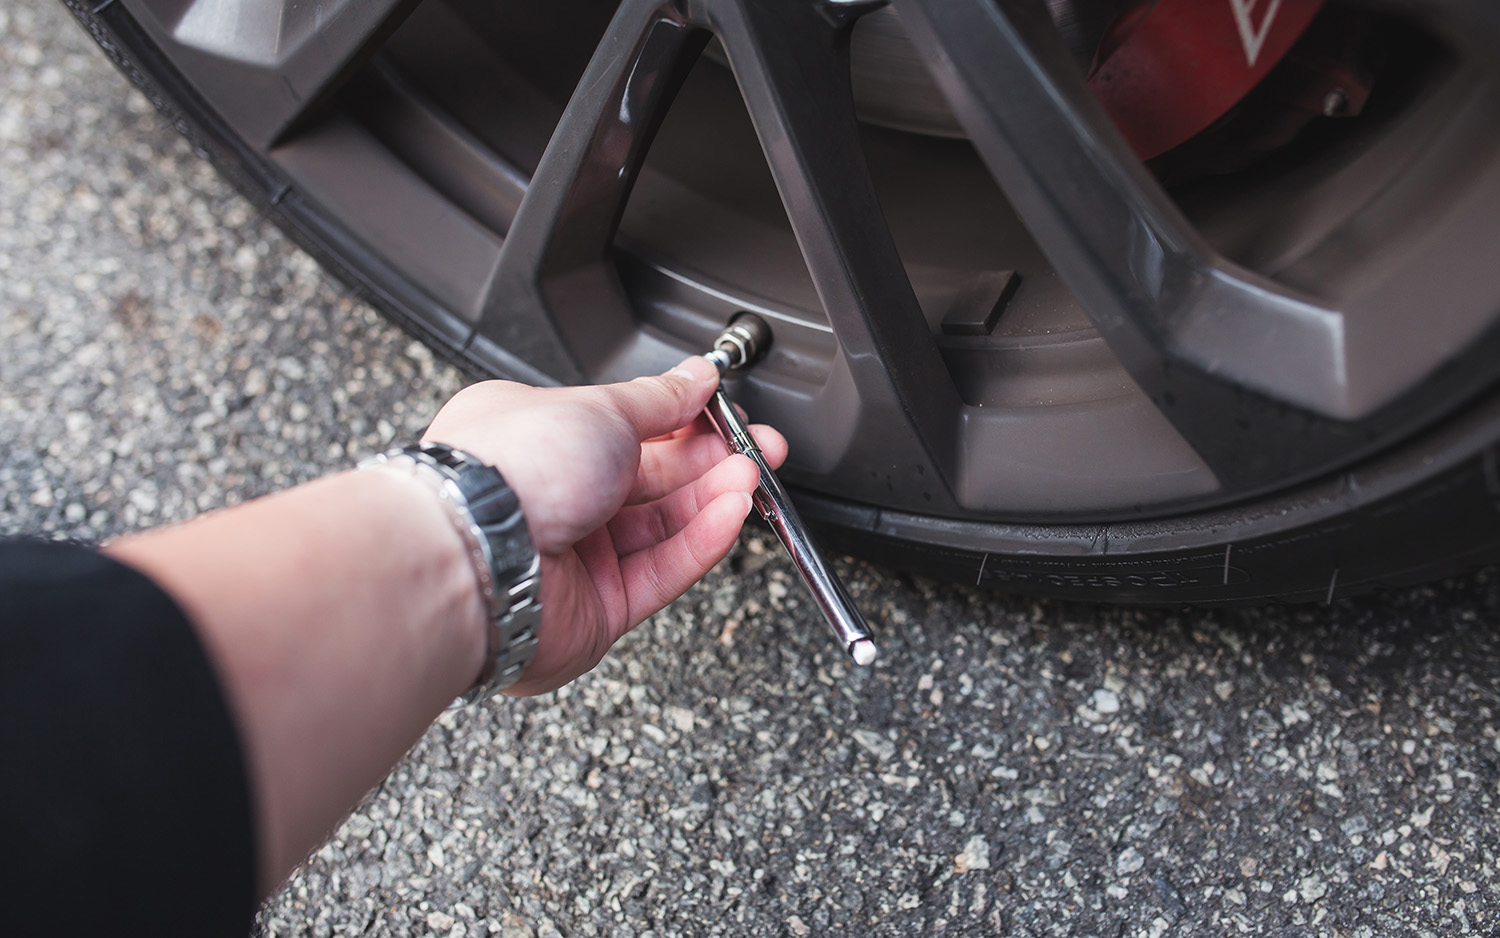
[342, 616]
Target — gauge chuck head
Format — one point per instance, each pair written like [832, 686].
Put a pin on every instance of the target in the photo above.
[740, 345]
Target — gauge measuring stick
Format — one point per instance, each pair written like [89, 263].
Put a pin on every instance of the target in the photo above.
[743, 342]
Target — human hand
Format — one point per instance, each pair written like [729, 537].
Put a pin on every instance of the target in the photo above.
[630, 495]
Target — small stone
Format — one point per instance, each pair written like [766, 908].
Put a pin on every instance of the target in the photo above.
[1312, 889]
[1422, 818]
[1440, 859]
[1041, 794]
[975, 856]
[1130, 861]
[514, 925]
[440, 922]
[682, 718]
[726, 634]
[1106, 701]
[875, 744]
[798, 927]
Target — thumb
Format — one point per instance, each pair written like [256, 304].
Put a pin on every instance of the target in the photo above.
[659, 404]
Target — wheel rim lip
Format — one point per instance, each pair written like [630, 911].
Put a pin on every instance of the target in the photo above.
[1463, 437]
[1118, 510]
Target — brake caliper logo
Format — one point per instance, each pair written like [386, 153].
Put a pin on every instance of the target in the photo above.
[1253, 36]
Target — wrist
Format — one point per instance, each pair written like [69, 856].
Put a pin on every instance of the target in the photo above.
[486, 514]
[449, 568]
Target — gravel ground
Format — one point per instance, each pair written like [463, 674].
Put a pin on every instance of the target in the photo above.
[1010, 767]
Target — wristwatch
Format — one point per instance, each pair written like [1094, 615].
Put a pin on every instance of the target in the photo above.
[488, 516]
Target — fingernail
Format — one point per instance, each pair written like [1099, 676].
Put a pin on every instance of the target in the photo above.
[695, 368]
[749, 502]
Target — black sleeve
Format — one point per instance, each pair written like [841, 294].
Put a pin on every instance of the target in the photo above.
[124, 802]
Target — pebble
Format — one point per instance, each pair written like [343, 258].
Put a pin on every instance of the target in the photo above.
[1312, 888]
[875, 744]
[975, 856]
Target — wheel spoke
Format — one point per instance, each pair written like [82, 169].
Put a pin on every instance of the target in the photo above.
[556, 297]
[1144, 276]
[792, 67]
[267, 63]
[1222, 351]
[556, 293]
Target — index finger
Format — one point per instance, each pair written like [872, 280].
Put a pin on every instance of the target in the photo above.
[667, 465]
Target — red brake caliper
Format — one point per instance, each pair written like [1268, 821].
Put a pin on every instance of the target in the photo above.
[1169, 69]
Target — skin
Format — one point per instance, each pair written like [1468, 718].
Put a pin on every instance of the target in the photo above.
[344, 615]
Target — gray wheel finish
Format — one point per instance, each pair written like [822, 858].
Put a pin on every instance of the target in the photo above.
[1214, 344]
[1036, 421]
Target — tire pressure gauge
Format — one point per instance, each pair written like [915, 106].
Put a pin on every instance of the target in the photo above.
[736, 349]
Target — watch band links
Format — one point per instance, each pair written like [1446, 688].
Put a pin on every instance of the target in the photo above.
[511, 639]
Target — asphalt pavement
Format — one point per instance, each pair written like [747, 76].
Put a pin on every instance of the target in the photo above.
[1008, 767]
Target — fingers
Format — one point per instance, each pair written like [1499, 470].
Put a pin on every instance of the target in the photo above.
[659, 404]
[658, 575]
[667, 465]
[638, 527]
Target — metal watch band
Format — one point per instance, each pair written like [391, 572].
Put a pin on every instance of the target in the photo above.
[488, 516]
